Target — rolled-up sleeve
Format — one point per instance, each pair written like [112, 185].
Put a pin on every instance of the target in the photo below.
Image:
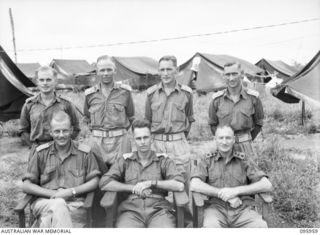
[200, 170]
[189, 108]
[258, 115]
[170, 171]
[116, 173]
[92, 168]
[213, 118]
[130, 108]
[24, 125]
[33, 172]
[254, 174]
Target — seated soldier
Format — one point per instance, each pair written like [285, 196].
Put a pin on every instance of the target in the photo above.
[147, 177]
[61, 173]
[229, 178]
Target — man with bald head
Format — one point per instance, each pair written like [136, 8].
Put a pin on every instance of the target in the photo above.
[110, 111]
[230, 179]
[60, 173]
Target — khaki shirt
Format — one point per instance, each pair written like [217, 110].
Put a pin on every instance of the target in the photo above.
[238, 171]
[129, 170]
[169, 114]
[47, 170]
[242, 116]
[112, 112]
[36, 116]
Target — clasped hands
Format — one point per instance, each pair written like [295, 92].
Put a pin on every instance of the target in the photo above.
[62, 193]
[230, 195]
[143, 188]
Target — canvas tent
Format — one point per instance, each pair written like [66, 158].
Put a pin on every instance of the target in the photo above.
[138, 72]
[277, 68]
[78, 72]
[13, 88]
[209, 71]
[303, 85]
[29, 69]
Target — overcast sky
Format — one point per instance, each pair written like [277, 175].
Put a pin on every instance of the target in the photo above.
[83, 29]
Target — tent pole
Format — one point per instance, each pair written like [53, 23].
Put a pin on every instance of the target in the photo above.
[303, 110]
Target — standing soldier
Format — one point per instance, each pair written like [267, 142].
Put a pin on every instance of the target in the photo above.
[38, 110]
[238, 107]
[109, 108]
[169, 108]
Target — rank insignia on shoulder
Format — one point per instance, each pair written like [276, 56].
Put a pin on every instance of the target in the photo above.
[186, 88]
[43, 146]
[90, 90]
[127, 155]
[162, 155]
[240, 155]
[217, 94]
[212, 154]
[84, 148]
[253, 92]
[152, 89]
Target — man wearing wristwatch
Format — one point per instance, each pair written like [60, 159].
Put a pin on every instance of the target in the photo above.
[147, 177]
[60, 173]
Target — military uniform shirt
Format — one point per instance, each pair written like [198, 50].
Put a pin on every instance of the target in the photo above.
[238, 171]
[169, 114]
[129, 170]
[242, 116]
[36, 116]
[112, 112]
[47, 170]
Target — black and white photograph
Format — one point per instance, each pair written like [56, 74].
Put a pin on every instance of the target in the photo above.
[159, 114]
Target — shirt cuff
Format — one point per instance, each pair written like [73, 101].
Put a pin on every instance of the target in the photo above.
[92, 175]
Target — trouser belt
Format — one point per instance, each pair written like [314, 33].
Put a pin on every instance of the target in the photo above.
[111, 133]
[169, 137]
[243, 137]
[135, 196]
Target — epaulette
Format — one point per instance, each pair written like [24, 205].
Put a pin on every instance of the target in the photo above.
[90, 91]
[211, 154]
[127, 155]
[217, 94]
[253, 92]
[240, 155]
[152, 89]
[186, 88]
[126, 87]
[43, 146]
[84, 148]
[162, 155]
[30, 99]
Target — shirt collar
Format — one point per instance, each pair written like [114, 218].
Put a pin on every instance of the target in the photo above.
[235, 154]
[243, 94]
[55, 99]
[176, 87]
[153, 156]
[53, 150]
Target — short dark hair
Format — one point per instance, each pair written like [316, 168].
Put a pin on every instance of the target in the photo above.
[229, 64]
[169, 58]
[140, 123]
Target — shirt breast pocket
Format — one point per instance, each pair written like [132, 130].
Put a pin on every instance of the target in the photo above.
[117, 113]
[131, 179]
[47, 175]
[78, 176]
[243, 119]
[178, 112]
[215, 179]
[156, 115]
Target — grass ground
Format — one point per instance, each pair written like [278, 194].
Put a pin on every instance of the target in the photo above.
[287, 152]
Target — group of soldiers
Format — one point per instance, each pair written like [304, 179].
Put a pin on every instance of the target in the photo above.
[144, 157]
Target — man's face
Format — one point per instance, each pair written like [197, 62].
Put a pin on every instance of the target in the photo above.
[46, 82]
[233, 76]
[105, 71]
[225, 139]
[167, 72]
[61, 132]
[142, 139]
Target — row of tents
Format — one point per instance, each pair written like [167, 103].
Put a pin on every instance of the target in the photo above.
[202, 72]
